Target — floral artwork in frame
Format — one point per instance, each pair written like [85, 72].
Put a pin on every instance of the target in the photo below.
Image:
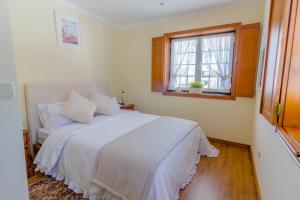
[67, 30]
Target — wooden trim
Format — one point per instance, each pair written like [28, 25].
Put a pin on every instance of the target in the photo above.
[287, 61]
[235, 66]
[288, 137]
[268, 113]
[265, 112]
[204, 31]
[255, 176]
[287, 130]
[158, 57]
[247, 59]
[167, 58]
[246, 146]
[283, 38]
[289, 144]
[200, 95]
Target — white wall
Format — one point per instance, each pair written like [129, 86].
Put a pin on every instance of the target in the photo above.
[13, 184]
[278, 175]
[39, 59]
[123, 57]
[228, 120]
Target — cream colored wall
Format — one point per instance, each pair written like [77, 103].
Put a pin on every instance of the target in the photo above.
[228, 120]
[38, 59]
[123, 57]
[278, 174]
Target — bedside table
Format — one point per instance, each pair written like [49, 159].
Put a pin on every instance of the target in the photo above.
[27, 151]
[36, 148]
[127, 107]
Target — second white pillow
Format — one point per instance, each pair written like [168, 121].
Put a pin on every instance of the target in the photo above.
[105, 104]
[79, 108]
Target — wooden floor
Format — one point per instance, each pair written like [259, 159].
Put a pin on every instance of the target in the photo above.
[227, 177]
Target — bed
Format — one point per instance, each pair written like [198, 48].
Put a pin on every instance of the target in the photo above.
[78, 153]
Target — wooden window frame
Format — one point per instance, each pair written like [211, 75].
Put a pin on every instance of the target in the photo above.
[270, 113]
[287, 134]
[276, 113]
[158, 71]
[234, 27]
[247, 67]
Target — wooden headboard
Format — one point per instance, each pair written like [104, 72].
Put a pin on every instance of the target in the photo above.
[43, 93]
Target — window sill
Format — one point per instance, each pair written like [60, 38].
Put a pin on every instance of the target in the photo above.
[290, 137]
[200, 95]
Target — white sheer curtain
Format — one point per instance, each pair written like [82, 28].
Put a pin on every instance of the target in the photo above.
[183, 62]
[217, 51]
[204, 58]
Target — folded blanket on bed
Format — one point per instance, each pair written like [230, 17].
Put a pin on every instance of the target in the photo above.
[126, 166]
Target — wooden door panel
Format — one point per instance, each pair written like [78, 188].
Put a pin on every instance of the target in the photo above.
[278, 30]
[247, 61]
[292, 102]
[158, 62]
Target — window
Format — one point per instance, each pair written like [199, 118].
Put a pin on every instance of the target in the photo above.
[223, 57]
[207, 58]
[280, 103]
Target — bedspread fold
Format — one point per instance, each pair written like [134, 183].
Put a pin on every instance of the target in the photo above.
[126, 166]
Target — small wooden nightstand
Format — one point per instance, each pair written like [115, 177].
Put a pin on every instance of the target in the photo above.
[127, 107]
[27, 151]
[36, 148]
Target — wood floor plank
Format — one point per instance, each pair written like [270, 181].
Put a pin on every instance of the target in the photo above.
[35, 178]
[227, 177]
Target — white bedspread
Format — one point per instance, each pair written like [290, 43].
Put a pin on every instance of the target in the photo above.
[70, 152]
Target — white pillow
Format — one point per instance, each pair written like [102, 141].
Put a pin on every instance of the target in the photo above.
[50, 117]
[105, 104]
[79, 108]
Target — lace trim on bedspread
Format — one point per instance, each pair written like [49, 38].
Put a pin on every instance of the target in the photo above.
[105, 194]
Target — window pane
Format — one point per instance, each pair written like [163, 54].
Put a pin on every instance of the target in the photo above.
[192, 58]
[191, 71]
[177, 59]
[205, 74]
[184, 45]
[191, 79]
[205, 67]
[210, 56]
[184, 70]
[216, 68]
[205, 81]
[216, 65]
[205, 58]
[185, 59]
[214, 83]
[183, 62]
[183, 82]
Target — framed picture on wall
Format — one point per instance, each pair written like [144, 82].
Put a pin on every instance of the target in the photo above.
[67, 30]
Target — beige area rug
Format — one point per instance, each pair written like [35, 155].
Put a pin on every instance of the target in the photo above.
[50, 189]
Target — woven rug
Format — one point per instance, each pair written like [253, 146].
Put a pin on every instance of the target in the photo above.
[50, 189]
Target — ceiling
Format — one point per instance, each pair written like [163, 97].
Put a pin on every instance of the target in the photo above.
[136, 12]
